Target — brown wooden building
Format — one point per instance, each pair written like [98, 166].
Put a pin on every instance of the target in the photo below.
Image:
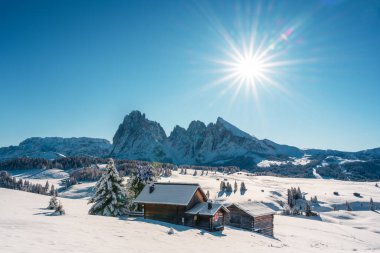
[181, 203]
[253, 216]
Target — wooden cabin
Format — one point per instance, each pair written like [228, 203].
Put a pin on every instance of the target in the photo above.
[253, 216]
[182, 204]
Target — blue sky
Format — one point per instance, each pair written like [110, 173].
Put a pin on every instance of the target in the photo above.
[76, 68]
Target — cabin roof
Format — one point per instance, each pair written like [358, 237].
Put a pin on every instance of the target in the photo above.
[202, 209]
[168, 194]
[254, 208]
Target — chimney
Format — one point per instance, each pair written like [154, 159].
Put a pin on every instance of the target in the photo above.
[151, 188]
[209, 205]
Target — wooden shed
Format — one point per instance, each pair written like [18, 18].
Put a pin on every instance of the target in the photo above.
[181, 203]
[253, 216]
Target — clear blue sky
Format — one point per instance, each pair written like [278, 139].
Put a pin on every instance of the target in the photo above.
[76, 68]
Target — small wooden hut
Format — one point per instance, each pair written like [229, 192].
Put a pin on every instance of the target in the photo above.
[181, 203]
[253, 216]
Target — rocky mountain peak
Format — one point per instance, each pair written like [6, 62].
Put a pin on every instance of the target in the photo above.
[138, 138]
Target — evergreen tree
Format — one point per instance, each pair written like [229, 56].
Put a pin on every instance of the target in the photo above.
[371, 205]
[52, 190]
[243, 189]
[46, 187]
[222, 186]
[139, 178]
[53, 203]
[235, 186]
[110, 196]
[208, 194]
[299, 193]
[195, 173]
[348, 206]
[229, 187]
[59, 209]
[308, 209]
[376, 185]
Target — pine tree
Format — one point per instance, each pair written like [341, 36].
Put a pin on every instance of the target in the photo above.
[140, 177]
[243, 189]
[52, 190]
[376, 185]
[53, 203]
[195, 173]
[110, 196]
[308, 209]
[222, 186]
[348, 206]
[208, 194]
[235, 186]
[229, 187]
[46, 187]
[371, 205]
[59, 209]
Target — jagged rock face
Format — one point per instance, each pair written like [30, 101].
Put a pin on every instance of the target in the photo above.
[139, 138]
[55, 147]
[216, 143]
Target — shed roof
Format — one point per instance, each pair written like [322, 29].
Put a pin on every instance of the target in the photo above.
[254, 208]
[202, 209]
[168, 194]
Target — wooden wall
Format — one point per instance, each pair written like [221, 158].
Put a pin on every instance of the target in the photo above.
[265, 224]
[240, 219]
[167, 213]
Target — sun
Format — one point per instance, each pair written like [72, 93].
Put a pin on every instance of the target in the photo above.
[249, 68]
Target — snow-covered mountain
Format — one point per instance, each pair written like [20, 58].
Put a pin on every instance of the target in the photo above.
[55, 147]
[216, 143]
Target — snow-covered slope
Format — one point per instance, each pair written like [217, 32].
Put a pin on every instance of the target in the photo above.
[26, 226]
[56, 147]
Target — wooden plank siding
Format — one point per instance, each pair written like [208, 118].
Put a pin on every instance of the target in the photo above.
[167, 213]
[265, 224]
[240, 219]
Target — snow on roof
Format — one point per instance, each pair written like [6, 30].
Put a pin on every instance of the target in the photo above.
[202, 209]
[168, 194]
[254, 208]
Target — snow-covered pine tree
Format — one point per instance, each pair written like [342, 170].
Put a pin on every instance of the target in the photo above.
[195, 173]
[208, 194]
[140, 177]
[59, 209]
[110, 196]
[235, 186]
[53, 203]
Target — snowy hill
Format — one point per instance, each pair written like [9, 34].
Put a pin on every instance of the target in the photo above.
[56, 147]
[26, 226]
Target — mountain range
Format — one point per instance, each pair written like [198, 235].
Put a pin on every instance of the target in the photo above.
[139, 138]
